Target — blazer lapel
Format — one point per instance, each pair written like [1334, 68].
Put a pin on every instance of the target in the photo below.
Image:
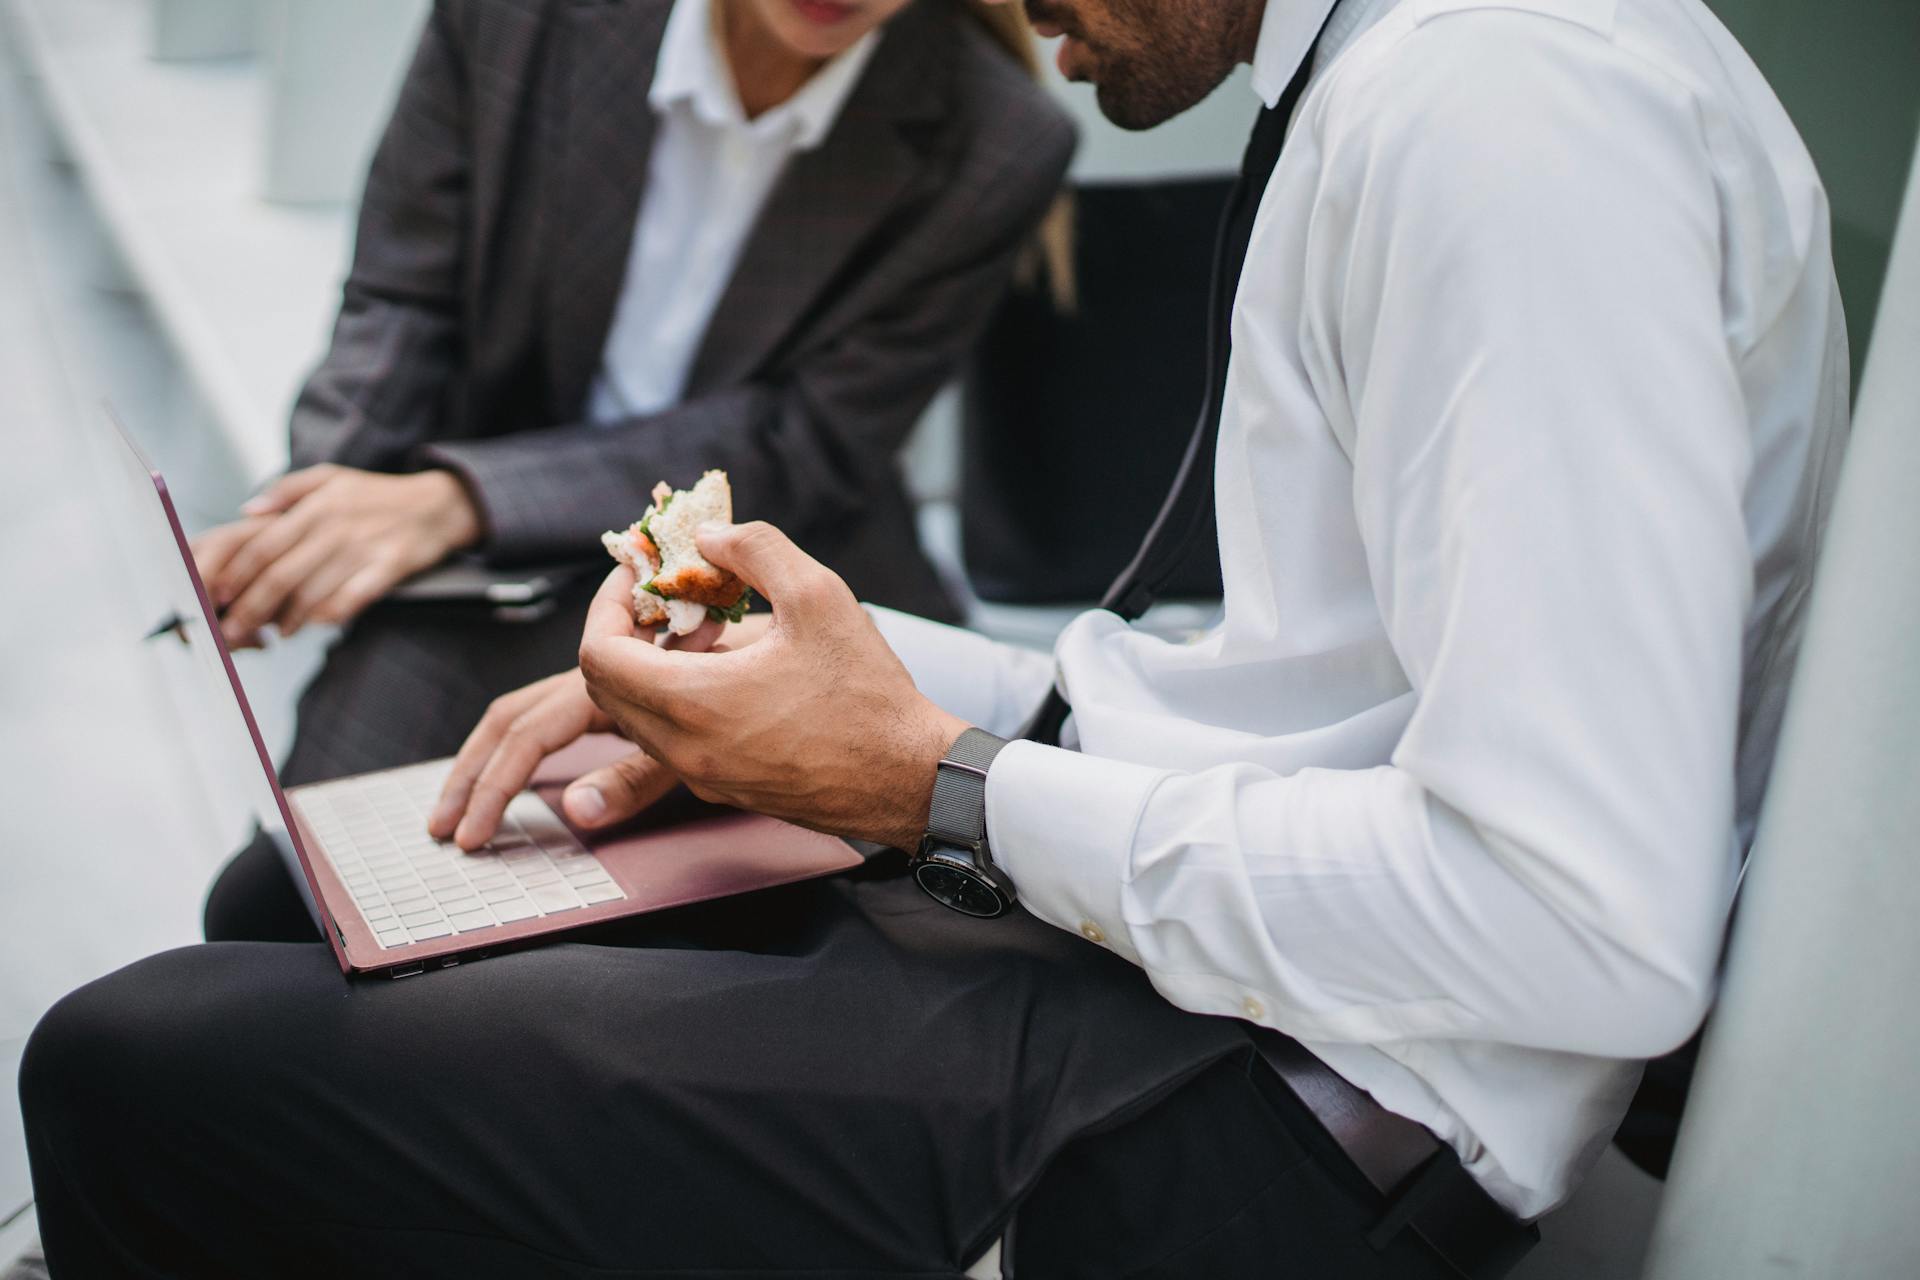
[829, 200]
[603, 135]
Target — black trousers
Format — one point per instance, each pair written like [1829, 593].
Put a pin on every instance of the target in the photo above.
[830, 1079]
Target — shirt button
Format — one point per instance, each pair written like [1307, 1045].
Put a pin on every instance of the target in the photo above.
[1253, 1009]
[1092, 932]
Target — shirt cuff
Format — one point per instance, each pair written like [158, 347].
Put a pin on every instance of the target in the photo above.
[992, 685]
[1062, 826]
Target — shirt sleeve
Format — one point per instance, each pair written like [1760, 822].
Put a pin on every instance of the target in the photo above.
[994, 686]
[1512, 320]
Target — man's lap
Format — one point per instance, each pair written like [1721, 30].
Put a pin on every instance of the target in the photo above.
[877, 1077]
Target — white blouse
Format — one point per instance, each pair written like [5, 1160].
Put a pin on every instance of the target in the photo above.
[708, 178]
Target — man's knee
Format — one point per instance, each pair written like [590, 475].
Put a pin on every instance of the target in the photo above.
[138, 1033]
[65, 1070]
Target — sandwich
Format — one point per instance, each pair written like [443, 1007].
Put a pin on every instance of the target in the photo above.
[674, 585]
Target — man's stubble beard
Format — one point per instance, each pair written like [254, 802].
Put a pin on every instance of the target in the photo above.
[1167, 55]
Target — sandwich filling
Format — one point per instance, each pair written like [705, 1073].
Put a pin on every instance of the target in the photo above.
[674, 585]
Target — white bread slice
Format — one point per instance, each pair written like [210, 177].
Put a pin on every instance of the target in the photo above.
[684, 572]
[684, 584]
[631, 549]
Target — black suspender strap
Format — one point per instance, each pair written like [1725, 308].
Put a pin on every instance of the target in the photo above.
[1184, 513]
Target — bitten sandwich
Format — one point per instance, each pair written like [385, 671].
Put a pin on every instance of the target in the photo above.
[674, 585]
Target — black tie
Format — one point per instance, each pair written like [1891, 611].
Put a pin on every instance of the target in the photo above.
[1184, 514]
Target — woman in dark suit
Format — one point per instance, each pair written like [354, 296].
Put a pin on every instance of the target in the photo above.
[607, 244]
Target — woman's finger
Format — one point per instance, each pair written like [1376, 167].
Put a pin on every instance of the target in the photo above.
[369, 584]
[214, 548]
[311, 594]
[277, 535]
[287, 490]
[273, 585]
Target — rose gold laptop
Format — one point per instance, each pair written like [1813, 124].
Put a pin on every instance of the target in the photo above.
[390, 899]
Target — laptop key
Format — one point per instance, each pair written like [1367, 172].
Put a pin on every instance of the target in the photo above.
[552, 898]
[423, 932]
[468, 921]
[607, 892]
[508, 912]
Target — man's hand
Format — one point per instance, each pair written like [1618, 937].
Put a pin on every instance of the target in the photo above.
[522, 728]
[817, 723]
[325, 542]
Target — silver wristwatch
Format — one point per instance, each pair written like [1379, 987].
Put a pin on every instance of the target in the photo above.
[954, 864]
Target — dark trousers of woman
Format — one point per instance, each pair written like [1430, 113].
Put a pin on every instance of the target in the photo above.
[833, 1079]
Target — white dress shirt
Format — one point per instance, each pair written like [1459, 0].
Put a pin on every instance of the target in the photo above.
[708, 177]
[1538, 389]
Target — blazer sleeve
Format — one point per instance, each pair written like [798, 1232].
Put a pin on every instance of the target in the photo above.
[803, 449]
[379, 391]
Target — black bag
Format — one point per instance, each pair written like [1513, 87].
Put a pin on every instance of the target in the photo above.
[1075, 422]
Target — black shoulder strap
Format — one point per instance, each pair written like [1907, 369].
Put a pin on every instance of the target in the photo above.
[1184, 513]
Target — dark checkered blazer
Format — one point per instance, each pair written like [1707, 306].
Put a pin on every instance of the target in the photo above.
[492, 246]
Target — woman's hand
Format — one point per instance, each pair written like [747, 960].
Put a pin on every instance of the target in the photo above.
[522, 728]
[325, 542]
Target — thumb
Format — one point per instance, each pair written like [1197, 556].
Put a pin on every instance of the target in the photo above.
[286, 491]
[618, 791]
[766, 560]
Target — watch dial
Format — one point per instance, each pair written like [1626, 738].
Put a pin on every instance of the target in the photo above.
[961, 890]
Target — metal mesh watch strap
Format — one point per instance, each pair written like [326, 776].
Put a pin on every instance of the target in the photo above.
[959, 813]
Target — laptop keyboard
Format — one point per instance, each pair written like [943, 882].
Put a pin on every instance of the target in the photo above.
[412, 888]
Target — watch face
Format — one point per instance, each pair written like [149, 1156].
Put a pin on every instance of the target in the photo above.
[960, 889]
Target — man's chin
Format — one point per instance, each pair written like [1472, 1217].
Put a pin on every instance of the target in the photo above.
[1134, 111]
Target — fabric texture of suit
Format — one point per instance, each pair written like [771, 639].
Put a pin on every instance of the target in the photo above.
[492, 243]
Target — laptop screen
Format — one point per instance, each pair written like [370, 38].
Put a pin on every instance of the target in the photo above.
[179, 639]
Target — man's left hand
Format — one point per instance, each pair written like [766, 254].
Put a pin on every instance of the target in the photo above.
[817, 723]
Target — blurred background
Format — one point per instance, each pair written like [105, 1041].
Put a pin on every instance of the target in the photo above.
[177, 180]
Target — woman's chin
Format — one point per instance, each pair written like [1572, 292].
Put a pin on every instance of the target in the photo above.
[815, 29]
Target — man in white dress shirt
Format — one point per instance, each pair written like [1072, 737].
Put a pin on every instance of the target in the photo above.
[1535, 402]
[1538, 392]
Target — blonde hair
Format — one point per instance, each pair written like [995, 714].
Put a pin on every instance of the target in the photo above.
[1048, 258]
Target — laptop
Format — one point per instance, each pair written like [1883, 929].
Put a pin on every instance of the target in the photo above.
[386, 896]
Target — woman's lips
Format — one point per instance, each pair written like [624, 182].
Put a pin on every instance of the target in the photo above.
[824, 13]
